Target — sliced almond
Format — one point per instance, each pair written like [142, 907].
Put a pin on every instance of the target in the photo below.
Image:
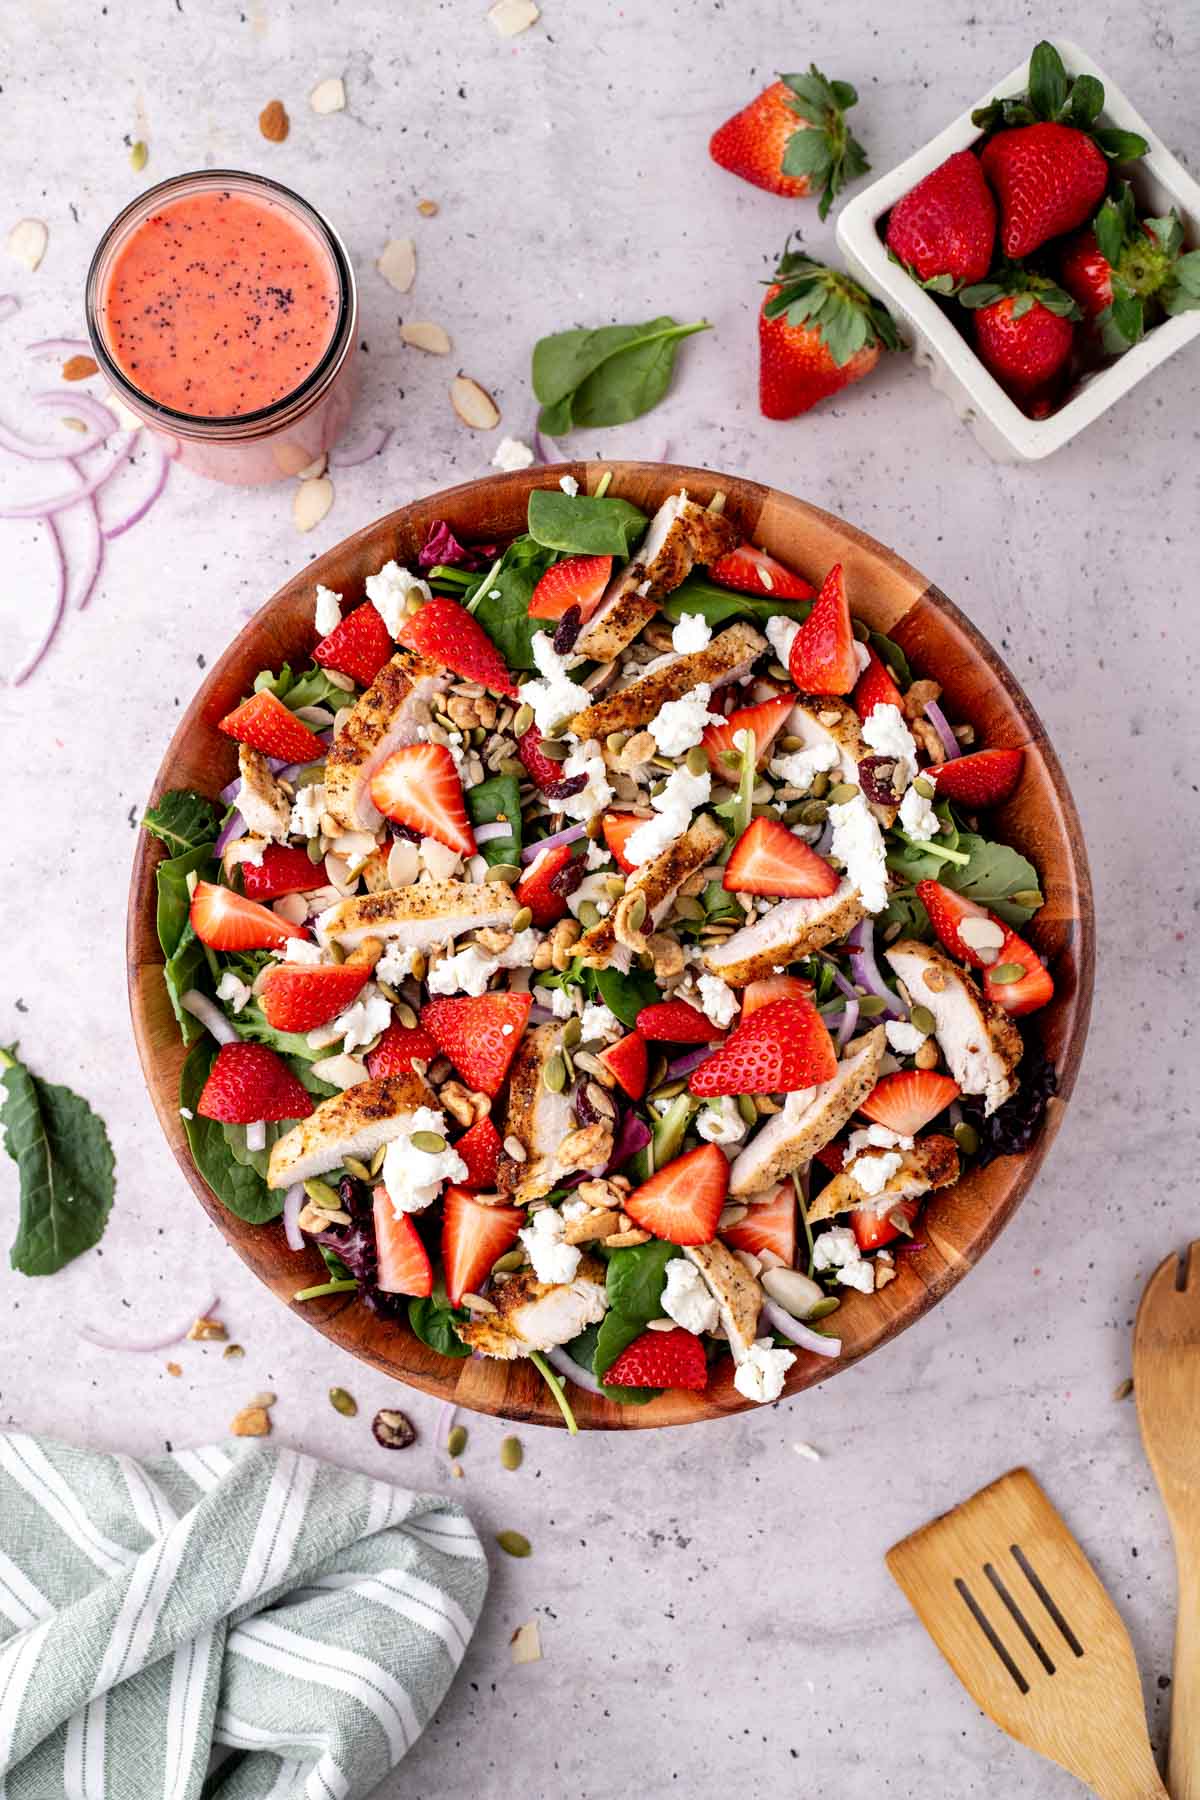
[252, 1421]
[428, 209]
[398, 263]
[80, 368]
[403, 863]
[315, 469]
[511, 17]
[27, 242]
[526, 1643]
[340, 1071]
[423, 334]
[312, 501]
[329, 96]
[291, 907]
[473, 404]
[273, 122]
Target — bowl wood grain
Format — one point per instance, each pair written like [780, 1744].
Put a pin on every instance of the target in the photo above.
[1040, 820]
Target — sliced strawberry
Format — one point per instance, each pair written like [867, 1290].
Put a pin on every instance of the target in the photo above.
[785, 1046]
[682, 1202]
[576, 581]
[758, 994]
[394, 1053]
[675, 1022]
[264, 723]
[480, 1150]
[771, 1226]
[661, 1359]
[627, 1062]
[248, 1082]
[403, 1261]
[947, 910]
[1026, 992]
[766, 722]
[359, 646]
[617, 827]
[473, 1237]
[299, 996]
[822, 659]
[905, 1102]
[536, 890]
[874, 1229]
[984, 779]
[447, 633]
[770, 859]
[750, 570]
[283, 870]
[543, 770]
[419, 787]
[227, 921]
[875, 687]
[479, 1034]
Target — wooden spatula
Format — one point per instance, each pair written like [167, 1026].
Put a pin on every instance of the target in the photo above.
[1166, 1380]
[1020, 1615]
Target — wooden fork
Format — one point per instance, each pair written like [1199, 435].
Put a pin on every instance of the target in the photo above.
[1020, 1615]
[1166, 1381]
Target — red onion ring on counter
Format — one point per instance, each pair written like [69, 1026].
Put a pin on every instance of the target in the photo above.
[361, 449]
[92, 1334]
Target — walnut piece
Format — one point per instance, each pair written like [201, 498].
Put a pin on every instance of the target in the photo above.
[589, 1147]
[918, 697]
[467, 1106]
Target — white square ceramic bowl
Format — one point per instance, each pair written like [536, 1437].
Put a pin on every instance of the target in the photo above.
[1159, 182]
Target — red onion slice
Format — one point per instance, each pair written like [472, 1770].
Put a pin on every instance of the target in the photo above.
[92, 1334]
[230, 791]
[941, 725]
[60, 603]
[798, 1332]
[445, 1420]
[848, 1025]
[361, 449]
[60, 346]
[235, 827]
[95, 556]
[56, 503]
[565, 1365]
[293, 1201]
[80, 406]
[142, 507]
[571, 835]
[632, 1135]
[866, 973]
[209, 1015]
[487, 834]
[9, 304]
[683, 1065]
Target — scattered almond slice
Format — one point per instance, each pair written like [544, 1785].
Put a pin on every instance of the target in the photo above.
[173, 1368]
[252, 1421]
[273, 122]
[75, 424]
[423, 334]
[27, 242]
[315, 469]
[398, 264]
[526, 1643]
[428, 209]
[79, 368]
[511, 17]
[206, 1329]
[473, 404]
[312, 501]
[328, 96]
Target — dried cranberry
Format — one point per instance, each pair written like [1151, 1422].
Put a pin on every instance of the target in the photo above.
[404, 831]
[563, 790]
[564, 881]
[877, 779]
[567, 630]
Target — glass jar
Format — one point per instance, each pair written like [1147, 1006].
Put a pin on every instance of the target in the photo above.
[191, 334]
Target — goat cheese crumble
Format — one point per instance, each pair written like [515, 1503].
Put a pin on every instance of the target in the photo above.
[596, 1021]
[569, 485]
[903, 1038]
[553, 1260]
[718, 1001]
[917, 816]
[781, 634]
[679, 799]
[588, 761]
[759, 1375]
[838, 1250]
[691, 634]
[887, 734]
[686, 1298]
[396, 963]
[233, 992]
[680, 724]
[327, 611]
[469, 970]
[308, 809]
[511, 454]
[555, 697]
[858, 845]
[370, 1014]
[874, 1170]
[389, 591]
[413, 1178]
[720, 1122]
[799, 768]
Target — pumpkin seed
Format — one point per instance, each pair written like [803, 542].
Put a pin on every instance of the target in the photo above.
[789, 741]
[688, 908]
[614, 886]
[354, 1167]
[572, 1031]
[511, 1453]
[523, 720]
[514, 1543]
[966, 1137]
[814, 812]
[844, 790]
[595, 826]
[419, 966]
[818, 787]
[315, 852]
[777, 672]
[1006, 972]
[669, 1090]
[923, 1019]
[793, 814]
[456, 1440]
[508, 1263]
[925, 788]
[870, 1006]
[322, 1195]
[137, 156]
[616, 741]
[377, 1159]
[635, 912]
[554, 1075]
[432, 1142]
[512, 765]
[747, 1108]
[588, 914]
[343, 1402]
[509, 873]
[555, 749]
[823, 1308]
[697, 760]
[1029, 897]
[522, 920]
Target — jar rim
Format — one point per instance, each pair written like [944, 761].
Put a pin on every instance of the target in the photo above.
[287, 406]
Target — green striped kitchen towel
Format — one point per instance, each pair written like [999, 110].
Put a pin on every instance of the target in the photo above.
[238, 1622]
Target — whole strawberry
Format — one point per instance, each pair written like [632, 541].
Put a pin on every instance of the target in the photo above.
[943, 230]
[1024, 331]
[1048, 165]
[818, 331]
[1126, 273]
[793, 139]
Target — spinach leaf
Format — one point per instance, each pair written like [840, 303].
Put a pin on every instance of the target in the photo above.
[334, 1264]
[606, 376]
[312, 688]
[625, 995]
[892, 656]
[237, 1186]
[500, 598]
[183, 953]
[582, 1350]
[497, 798]
[182, 819]
[636, 1278]
[251, 1023]
[65, 1167]
[720, 605]
[582, 525]
[235, 1138]
[993, 875]
[434, 1325]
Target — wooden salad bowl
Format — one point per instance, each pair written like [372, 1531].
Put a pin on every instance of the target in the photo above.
[1039, 820]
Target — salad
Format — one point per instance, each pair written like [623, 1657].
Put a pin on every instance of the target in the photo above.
[600, 955]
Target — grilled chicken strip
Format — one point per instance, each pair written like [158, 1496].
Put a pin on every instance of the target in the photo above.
[351, 1124]
[680, 534]
[931, 1163]
[808, 1121]
[824, 719]
[728, 657]
[792, 929]
[425, 914]
[979, 1041]
[538, 1119]
[738, 1295]
[660, 880]
[387, 717]
[538, 1315]
[260, 799]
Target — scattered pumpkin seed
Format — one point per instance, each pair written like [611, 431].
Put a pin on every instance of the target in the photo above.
[555, 749]
[861, 629]
[456, 1440]
[870, 1006]
[343, 1402]
[844, 790]
[512, 765]
[510, 1261]
[966, 1137]
[635, 912]
[509, 873]
[432, 1142]
[789, 741]
[818, 787]
[353, 1166]
[1123, 1389]
[315, 852]
[321, 1194]
[1029, 897]
[588, 914]
[814, 812]
[406, 1015]
[925, 788]
[614, 886]
[521, 920]
[1006, 972]
[511, 1453]
[697, 760]
[554, 1075]
[777, 672]
[669, 1090]
[514, 1543]
[747, 1108]
[572, 1031]
[923, 1019]
[616, 741]
[523, 720]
